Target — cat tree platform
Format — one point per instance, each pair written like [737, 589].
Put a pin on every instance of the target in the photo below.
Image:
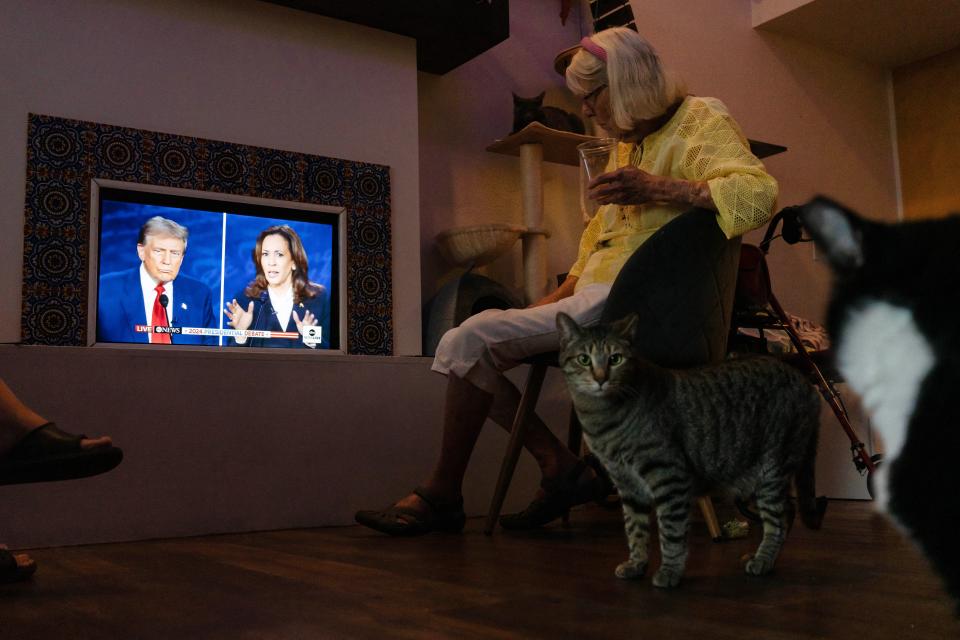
[558, 146]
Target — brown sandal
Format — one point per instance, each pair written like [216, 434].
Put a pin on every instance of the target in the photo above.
[13, 571]
[403, 521]
[559, 495]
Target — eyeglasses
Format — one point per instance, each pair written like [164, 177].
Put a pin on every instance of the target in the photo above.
[591, 98]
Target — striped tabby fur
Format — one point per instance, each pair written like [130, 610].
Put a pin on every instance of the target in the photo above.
[747, 425]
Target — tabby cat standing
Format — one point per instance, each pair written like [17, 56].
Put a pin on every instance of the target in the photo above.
[748, 425]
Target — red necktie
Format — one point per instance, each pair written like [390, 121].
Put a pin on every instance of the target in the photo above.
[159, 319]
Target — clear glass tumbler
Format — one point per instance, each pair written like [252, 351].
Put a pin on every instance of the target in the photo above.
[596, 157]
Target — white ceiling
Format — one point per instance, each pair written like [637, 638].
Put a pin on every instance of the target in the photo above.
[889, 33]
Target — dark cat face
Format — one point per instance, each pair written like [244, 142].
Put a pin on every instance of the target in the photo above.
[597, 360]
[528, 103]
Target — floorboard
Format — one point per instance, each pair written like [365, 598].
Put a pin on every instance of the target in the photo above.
[857, 577]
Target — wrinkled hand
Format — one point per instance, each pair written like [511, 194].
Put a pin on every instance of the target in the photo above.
[239, 317]
[626, 185]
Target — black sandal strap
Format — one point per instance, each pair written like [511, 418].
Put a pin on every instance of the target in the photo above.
[45, 440]
[8, 563]
[436, 506]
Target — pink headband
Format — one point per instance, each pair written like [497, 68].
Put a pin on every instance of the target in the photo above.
[593, 48]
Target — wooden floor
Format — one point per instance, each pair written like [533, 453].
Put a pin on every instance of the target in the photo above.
[856, 578]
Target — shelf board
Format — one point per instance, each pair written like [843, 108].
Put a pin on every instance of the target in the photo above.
[558, 146]
[561, 146]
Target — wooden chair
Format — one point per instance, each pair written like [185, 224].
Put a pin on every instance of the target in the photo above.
[681, 283]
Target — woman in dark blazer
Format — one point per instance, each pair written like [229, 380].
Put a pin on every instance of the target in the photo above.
[281, 297]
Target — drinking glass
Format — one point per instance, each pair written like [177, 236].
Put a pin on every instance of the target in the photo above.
[596, 157]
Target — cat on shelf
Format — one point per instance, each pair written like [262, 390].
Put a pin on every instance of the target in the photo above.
[527, 110]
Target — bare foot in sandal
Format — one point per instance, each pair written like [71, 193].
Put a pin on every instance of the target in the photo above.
[94, 443]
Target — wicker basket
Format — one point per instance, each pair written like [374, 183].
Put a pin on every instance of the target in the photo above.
[478, 244]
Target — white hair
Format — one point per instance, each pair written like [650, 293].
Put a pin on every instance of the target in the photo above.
[159, 226]
[639, 85]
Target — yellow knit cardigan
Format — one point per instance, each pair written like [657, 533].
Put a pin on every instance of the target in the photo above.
[700, 142]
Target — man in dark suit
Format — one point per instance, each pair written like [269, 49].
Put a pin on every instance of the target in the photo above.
[148, 295]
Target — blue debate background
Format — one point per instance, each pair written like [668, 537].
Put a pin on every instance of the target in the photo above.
[120, 224]
[242, 232]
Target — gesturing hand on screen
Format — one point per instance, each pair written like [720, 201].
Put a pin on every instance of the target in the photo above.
[309, 320]
[239, 317]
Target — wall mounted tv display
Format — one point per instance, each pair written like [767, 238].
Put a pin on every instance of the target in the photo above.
[289, 296]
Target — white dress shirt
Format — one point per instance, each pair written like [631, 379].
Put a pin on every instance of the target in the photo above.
[282, 305]
[148, 285]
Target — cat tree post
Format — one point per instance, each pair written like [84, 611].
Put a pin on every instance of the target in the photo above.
[536, 144]
[534, 242]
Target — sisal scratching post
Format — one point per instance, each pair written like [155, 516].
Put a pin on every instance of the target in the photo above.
[534, 241]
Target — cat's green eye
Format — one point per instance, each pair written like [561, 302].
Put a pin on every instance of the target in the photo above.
[583, 360]
[616, 359]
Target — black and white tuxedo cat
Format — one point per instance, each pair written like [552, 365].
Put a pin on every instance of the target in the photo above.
[895, 320]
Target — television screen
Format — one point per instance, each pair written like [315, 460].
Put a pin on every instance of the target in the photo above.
[177, 267]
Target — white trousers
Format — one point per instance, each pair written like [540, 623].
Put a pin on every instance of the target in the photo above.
[493, 341]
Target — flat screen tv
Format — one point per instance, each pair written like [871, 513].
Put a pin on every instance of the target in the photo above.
[202, 269]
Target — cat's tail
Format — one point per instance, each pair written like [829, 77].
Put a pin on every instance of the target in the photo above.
[811, 507]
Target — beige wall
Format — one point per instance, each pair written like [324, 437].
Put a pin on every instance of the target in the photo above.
[832, 112]
[463, 112]
[927, 97]
[244, 441]
[272, 441]
[245, 71]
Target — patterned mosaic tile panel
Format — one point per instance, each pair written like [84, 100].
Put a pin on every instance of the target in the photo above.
[63, 156]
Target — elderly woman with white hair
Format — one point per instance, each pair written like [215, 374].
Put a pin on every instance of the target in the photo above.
[675, 152]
